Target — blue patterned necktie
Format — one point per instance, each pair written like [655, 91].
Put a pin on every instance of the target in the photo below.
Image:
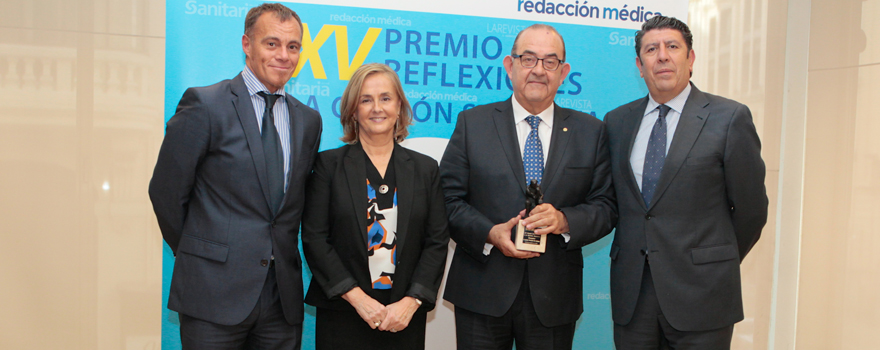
[655, 156]
[533, 157]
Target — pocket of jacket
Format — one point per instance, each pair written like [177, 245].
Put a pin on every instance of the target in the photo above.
[703, 161]
[203, 248]
[716, 253]
[614, 250]
[576, 171]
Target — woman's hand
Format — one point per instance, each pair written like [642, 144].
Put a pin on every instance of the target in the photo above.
[370, 310]
[399, 314]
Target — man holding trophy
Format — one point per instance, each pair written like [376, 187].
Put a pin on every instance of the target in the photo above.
[500, 156]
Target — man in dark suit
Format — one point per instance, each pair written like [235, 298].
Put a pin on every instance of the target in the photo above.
[689, 215]
[501, 294]
[228, 192]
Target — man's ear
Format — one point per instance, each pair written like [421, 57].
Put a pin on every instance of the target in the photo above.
[246, 45]
[639, 66]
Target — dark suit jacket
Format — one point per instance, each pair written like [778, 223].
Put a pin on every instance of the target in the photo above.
[485, 184]
[335, 227]
[707, 212]
[210, 194]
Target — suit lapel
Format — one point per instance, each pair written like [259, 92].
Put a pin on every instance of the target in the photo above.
[294, 122]
[504, 125]
[404, 174]
[632, 121]
[558, 144]
[356, 175]
[241, 100]
[693, 117]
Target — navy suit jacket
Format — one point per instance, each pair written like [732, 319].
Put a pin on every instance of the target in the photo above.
[210, 194]
[484, 183]
[707, 212]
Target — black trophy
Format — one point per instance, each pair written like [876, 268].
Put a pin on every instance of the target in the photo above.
[526, 239]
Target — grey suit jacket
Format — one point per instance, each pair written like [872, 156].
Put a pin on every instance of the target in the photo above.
[210, 194]
[484, 183]
[708, 211]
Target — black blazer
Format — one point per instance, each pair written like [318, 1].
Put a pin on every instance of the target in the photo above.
[707, 212]
[210, 194]
[335, 227]
[484, 183]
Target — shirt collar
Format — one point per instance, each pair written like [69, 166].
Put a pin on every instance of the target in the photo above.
[254, 85]
[520, 113]
[676, 103]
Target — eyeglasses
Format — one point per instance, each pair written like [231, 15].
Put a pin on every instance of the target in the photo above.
[530, 61]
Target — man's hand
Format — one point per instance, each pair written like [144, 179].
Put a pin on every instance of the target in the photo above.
[370, 310]
[499, 236]
[546, 219]
[399, 314]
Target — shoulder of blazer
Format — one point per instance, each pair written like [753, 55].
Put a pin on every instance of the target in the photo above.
[334, 155]
[705, 99]
[615, 115]
[488, 109]
[628, 107]
[423, 161]
[220, 89]
[303, 108]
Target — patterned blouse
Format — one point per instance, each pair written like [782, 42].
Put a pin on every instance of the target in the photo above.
[381, 224]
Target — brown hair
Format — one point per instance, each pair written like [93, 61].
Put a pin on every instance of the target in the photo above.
[283, 13]
[351, 97]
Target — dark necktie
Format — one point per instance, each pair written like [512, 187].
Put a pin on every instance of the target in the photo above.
[533, 156]
[273, 153]
[655, 156]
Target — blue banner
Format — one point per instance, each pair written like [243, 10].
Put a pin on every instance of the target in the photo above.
[446, 62]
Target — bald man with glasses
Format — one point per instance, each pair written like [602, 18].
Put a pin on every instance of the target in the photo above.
[503, 295]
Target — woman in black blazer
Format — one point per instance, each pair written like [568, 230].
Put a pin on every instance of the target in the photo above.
[374, 226]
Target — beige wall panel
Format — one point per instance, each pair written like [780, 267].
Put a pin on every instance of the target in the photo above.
[80, 126]
[838, 304]
[739, 57]
[130, 17]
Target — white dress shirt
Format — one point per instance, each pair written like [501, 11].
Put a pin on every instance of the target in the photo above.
[676, 105]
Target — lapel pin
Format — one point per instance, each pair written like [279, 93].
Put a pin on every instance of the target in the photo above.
[564, 129]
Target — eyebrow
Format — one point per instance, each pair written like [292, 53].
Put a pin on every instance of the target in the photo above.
[667, 42]
[530, 52]
[380, 94]
[275, 38]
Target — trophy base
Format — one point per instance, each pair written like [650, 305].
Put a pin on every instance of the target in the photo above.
[527, 240]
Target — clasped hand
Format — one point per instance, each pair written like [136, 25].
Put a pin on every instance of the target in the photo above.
[393, 317]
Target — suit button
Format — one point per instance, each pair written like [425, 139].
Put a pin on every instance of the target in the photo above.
[273, 224]
[643, 252]
[649, 217]
[264, 263]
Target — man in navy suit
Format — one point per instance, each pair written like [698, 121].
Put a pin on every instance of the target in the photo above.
[689, 178]
[503, 295]
[228, 192]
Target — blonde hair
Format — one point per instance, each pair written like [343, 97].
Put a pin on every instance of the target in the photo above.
[351, 97]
